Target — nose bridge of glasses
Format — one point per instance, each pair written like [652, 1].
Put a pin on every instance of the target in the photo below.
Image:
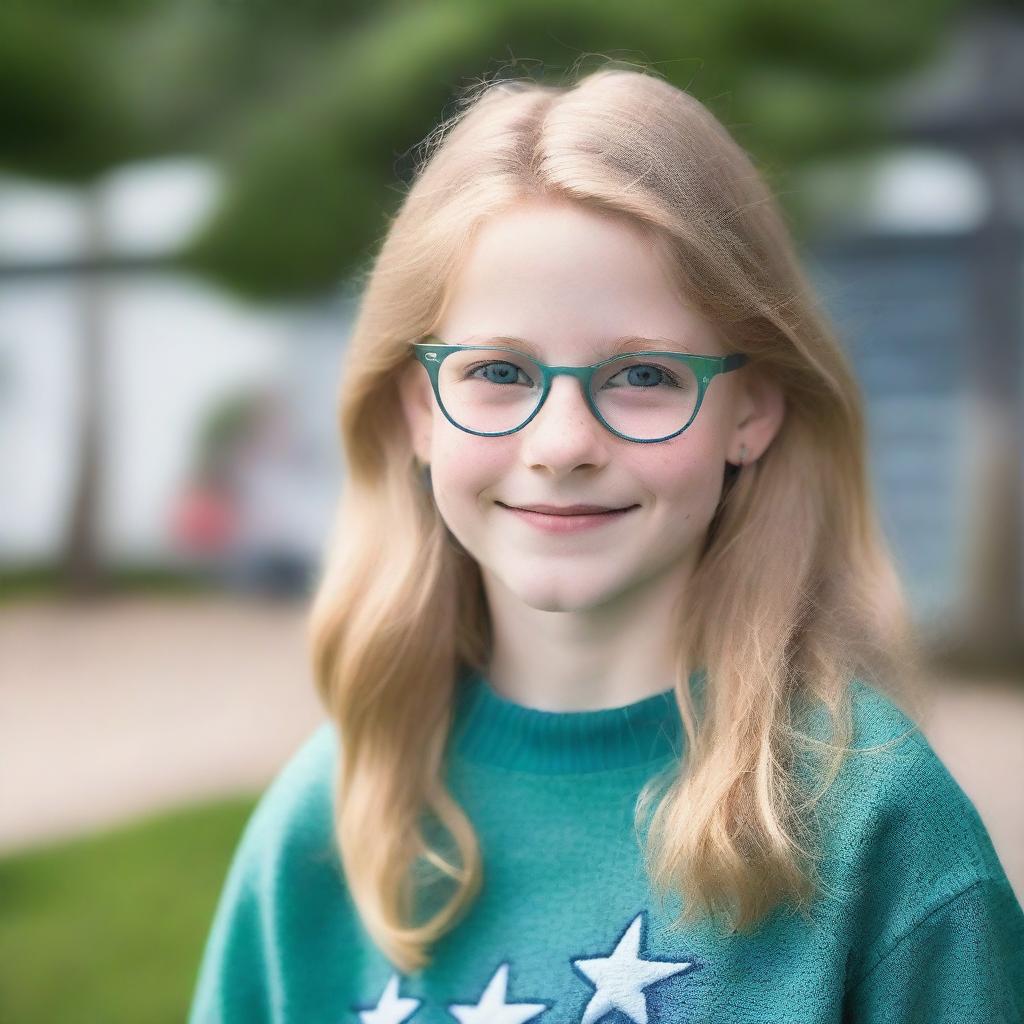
[571, 379]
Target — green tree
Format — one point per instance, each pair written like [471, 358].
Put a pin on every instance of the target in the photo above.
[314, 109]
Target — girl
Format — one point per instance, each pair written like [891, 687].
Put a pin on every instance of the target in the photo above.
[617, 670]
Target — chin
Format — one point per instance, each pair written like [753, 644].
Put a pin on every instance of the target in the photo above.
[568, 593]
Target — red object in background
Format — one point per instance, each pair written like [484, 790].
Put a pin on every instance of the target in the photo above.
[204, 520]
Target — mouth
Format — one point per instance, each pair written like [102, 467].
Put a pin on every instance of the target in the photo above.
[562, 522]
[568, 510]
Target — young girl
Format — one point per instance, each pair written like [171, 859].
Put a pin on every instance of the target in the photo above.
[616, 666]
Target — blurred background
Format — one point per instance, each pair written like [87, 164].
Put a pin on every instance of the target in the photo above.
[190, 191]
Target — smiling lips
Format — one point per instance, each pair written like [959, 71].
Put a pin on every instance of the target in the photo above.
[567, 510]
[566, 519]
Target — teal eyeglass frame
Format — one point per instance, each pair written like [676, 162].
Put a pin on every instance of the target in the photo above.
[432, 352]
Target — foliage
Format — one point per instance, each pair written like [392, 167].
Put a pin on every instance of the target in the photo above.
[47, 581]
[316, 108]
[112, 927]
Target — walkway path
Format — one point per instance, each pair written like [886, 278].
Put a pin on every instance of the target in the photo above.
[133, 705]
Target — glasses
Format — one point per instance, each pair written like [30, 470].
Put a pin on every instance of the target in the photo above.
[639, 396]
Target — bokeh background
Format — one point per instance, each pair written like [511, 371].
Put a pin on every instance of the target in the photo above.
[190, 193]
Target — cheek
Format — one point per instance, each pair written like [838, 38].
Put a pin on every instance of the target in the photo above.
[685, 479]
[465, 474]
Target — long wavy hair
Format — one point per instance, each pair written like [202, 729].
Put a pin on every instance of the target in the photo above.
[400, 612]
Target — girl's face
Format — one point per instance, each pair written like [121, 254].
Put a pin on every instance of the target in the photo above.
[572, 282]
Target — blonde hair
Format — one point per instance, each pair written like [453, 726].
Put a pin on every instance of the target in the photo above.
[400, 610]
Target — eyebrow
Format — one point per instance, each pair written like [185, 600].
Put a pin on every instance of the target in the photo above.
[628, 343]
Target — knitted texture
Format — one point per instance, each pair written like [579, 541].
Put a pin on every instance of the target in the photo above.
[917, 921]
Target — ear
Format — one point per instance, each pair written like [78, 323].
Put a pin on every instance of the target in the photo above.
[760, 410]
[417, 398]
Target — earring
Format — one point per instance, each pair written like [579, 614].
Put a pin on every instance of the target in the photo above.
[743, 453]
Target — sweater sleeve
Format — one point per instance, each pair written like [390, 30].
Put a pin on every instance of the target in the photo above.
[240, 979]
[964, 960]
[233, 983]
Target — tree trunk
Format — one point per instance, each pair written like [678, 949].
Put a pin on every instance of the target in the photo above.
[81, 563]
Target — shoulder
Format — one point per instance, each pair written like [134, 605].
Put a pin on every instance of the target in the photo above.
[292, 824]
[896, 807]
[909, 864]
[899, 838]
[282, 870]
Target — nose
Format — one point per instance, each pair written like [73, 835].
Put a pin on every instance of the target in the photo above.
[564, 427]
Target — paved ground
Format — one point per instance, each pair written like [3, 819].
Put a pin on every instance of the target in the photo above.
[130, 706]
[133, 705]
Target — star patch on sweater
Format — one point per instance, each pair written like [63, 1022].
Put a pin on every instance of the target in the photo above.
[493, 1009]
[391, 1008]
[619, 979]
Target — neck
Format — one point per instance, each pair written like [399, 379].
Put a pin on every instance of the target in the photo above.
[584, 660]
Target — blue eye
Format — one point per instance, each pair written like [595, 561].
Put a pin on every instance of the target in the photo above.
[506, 375]
[638, 380]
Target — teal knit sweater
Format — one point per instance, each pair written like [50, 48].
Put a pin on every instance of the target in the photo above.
[916, 922]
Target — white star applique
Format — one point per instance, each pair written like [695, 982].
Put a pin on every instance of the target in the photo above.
[492, 1008]
[622, 977]
[390, 1009]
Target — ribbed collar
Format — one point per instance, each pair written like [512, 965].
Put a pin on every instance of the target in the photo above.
[489, 729]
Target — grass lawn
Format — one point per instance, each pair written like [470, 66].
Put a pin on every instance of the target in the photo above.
[111, 927]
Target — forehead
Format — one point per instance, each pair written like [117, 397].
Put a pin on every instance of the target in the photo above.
[597, 348]
[566, 283]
